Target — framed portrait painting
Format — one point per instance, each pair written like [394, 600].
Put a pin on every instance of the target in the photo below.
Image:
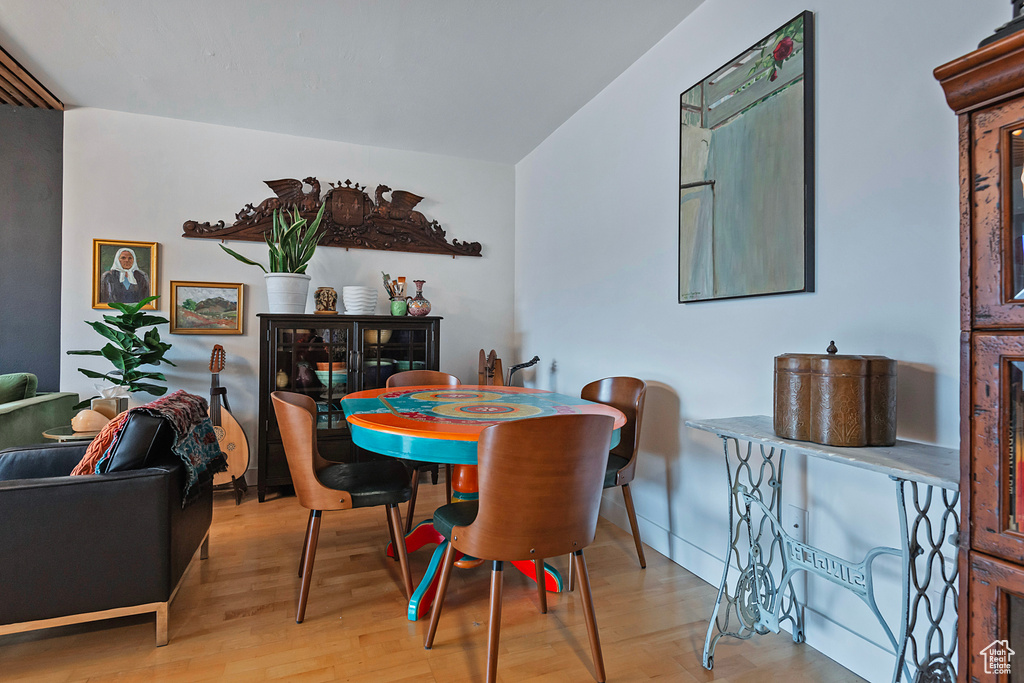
[124, 272]
[206, 307]
[746, 172]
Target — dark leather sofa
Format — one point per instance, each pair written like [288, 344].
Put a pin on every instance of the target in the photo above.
[82, 548]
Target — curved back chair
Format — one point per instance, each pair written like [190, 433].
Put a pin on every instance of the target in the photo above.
[323, 485]
[412, 378]
[627, 394]
[540, 495]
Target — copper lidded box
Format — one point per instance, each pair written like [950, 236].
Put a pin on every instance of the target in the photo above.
[836, 400]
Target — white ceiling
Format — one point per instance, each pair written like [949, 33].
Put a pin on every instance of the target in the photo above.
[481, 79]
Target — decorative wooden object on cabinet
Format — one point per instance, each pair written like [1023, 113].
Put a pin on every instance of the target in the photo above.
[986, 90]
[305, 353]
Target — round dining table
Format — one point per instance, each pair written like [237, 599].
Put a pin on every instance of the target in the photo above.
[441, 424]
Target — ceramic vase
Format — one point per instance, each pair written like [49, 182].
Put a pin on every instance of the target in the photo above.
[326, 300]
[286, 292]
[418, 305]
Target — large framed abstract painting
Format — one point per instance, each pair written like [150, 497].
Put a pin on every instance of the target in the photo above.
[746, 172]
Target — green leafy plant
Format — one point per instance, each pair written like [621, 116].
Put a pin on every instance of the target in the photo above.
[291, 243]
[127, 351]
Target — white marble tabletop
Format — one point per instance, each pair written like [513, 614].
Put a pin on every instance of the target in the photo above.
[910, 460]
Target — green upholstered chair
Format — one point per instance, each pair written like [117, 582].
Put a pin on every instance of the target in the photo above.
[25, 415]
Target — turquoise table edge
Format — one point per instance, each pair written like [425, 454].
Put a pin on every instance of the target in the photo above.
[408, 447]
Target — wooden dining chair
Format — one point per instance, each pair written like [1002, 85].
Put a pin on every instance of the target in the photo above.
[627, 394]
[540, 494]
[323, 485]
[412, 378]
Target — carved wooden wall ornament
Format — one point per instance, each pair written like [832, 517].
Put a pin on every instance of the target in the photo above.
[352, 219]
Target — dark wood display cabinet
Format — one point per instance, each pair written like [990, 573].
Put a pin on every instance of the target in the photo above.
[327, 357]
[986, 89]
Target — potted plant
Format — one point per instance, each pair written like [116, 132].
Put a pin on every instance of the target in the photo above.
[292, 243]
[128, 352]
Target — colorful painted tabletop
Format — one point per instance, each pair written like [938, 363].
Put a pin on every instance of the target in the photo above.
[442, 424]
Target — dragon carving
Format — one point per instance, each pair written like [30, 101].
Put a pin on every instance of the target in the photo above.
[351, 220]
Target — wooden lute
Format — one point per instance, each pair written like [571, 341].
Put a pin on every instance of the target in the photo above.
[230, 435]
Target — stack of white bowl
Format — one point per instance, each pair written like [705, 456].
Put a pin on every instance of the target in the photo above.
[359, 300]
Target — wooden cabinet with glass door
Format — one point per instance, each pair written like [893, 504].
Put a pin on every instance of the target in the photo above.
[327, 358]
[984, 88]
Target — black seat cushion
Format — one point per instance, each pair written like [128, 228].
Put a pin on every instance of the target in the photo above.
[452, 515]
[382, 482]
[615, 463]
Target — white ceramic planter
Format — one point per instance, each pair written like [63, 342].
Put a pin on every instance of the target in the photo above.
[287, 292]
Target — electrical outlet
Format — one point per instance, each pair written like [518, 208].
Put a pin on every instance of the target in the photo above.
[796, 523]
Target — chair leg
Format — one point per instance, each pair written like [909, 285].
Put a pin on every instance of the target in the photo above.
[572, 574]
[305, 543]
[433, 474]
[447, 562]
[307, 564]
[449, 472]
[494, 624]
[395, 523]
[588, 613]
[542, 591]
[632, 524]
[414, 484]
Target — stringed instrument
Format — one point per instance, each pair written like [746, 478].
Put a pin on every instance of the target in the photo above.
[230, 435]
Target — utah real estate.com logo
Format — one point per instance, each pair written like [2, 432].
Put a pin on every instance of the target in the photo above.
[997, 657]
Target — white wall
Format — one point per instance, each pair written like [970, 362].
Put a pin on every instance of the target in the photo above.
[596, 269]
[133, 177]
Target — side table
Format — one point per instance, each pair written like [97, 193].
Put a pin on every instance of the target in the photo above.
[66, 433]
[764, 595]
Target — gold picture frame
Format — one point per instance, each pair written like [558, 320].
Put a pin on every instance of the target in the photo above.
[207, 307]
[114, 279]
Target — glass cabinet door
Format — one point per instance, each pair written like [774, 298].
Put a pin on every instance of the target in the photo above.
[996, 205]
[389, 348]
[996, 637]
[314, 362]
[997, 443]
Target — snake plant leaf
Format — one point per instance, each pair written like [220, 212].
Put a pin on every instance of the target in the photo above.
[242, 258]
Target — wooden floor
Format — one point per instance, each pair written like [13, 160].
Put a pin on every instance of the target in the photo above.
[234, 617]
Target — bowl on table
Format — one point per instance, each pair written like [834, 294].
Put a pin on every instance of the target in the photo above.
[335, 382]
[377, 336]
[376, 373]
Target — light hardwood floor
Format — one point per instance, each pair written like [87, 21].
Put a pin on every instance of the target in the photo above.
[234, 617]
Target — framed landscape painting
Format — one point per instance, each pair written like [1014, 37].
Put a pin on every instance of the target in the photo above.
[746, 172]
[123, 272]
[206, 307]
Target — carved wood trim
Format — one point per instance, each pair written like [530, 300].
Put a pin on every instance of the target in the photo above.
[985, 76]
[352, 219]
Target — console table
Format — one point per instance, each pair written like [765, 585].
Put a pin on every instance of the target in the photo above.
[767, 557]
